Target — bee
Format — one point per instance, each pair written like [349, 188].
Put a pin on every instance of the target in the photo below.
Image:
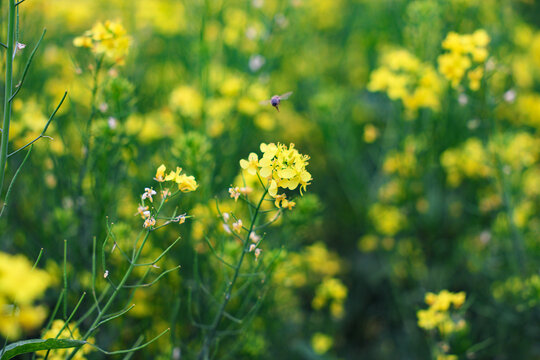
[276, 100]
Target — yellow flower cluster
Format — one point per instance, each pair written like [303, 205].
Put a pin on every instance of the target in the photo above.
[185, 183]
[519, 150]
[526, 63]
[387, 219]
[20, 286]
[437, 316]
[402, 163]
[528, 109]
[465, 52]
[283, 166]
[523, 293]
[403, 77]
[70, 332]
[315, 262]
[321, 343]
[470, 160]
[108, 38]
[331, 291]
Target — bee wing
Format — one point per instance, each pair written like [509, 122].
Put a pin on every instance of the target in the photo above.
[285, 96]
[265, 102]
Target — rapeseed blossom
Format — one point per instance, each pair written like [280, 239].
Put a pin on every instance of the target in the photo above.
[321, 343]
[404, 77]
[438, 315]
[523, 293]
[185, 183]
[69, 332]
[331, 291]
[284, 167]
[464, 51]
[470, 160]
[108, 39]
[388, 220]
[20, 286]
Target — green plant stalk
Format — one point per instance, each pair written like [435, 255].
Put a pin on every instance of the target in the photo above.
[87, 146]
[109, 302]
[7, 93]
[205, 351]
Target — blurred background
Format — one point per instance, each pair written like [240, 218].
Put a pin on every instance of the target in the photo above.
[424, 157]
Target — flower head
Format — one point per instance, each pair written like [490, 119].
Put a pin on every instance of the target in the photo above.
[143, 211]
[251, 164]
[160, 173]
[283, 166]
[108, 38]
[464, 51]
[148, 193]
[237, 226]
[235, 192]
[186, 183]
[149, 222]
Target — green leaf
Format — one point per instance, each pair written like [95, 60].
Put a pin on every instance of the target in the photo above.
[28, 346]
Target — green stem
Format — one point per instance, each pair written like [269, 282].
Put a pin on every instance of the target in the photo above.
[87, 147]
[205, 351]
[8, 90]
[132, 264]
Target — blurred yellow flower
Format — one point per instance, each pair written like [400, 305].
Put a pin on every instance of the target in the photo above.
[186, 183]
[20, 286]
[404, 77]
[187, 101]
[371, 133]
[69, 332]
[108, 39]
[321, 343]
[438, 314]
[388, 220]
[463, 51]
[333, 292]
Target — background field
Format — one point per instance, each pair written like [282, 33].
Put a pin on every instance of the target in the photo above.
[412, 191]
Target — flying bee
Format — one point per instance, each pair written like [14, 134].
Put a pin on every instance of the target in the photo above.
[276, 100]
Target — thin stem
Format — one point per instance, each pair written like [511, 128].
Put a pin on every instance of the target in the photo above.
[7, 91]
[108, 304]
[87, 144]
[209, 340]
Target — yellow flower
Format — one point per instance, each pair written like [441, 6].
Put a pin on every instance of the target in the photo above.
[69, 332]
[82, 41]
[404, 77]
[160, 173]
[173, 174]
[438, 315]
[186, 183]
[475, 77]
[251, 165]
[283, 166]
[107, 38]
[333, 292]
[18, 282]
[388, 220]
[289, 204]
[462, 48]
[321, 343]
[237, 226]
[186, 100]
[371, 133]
